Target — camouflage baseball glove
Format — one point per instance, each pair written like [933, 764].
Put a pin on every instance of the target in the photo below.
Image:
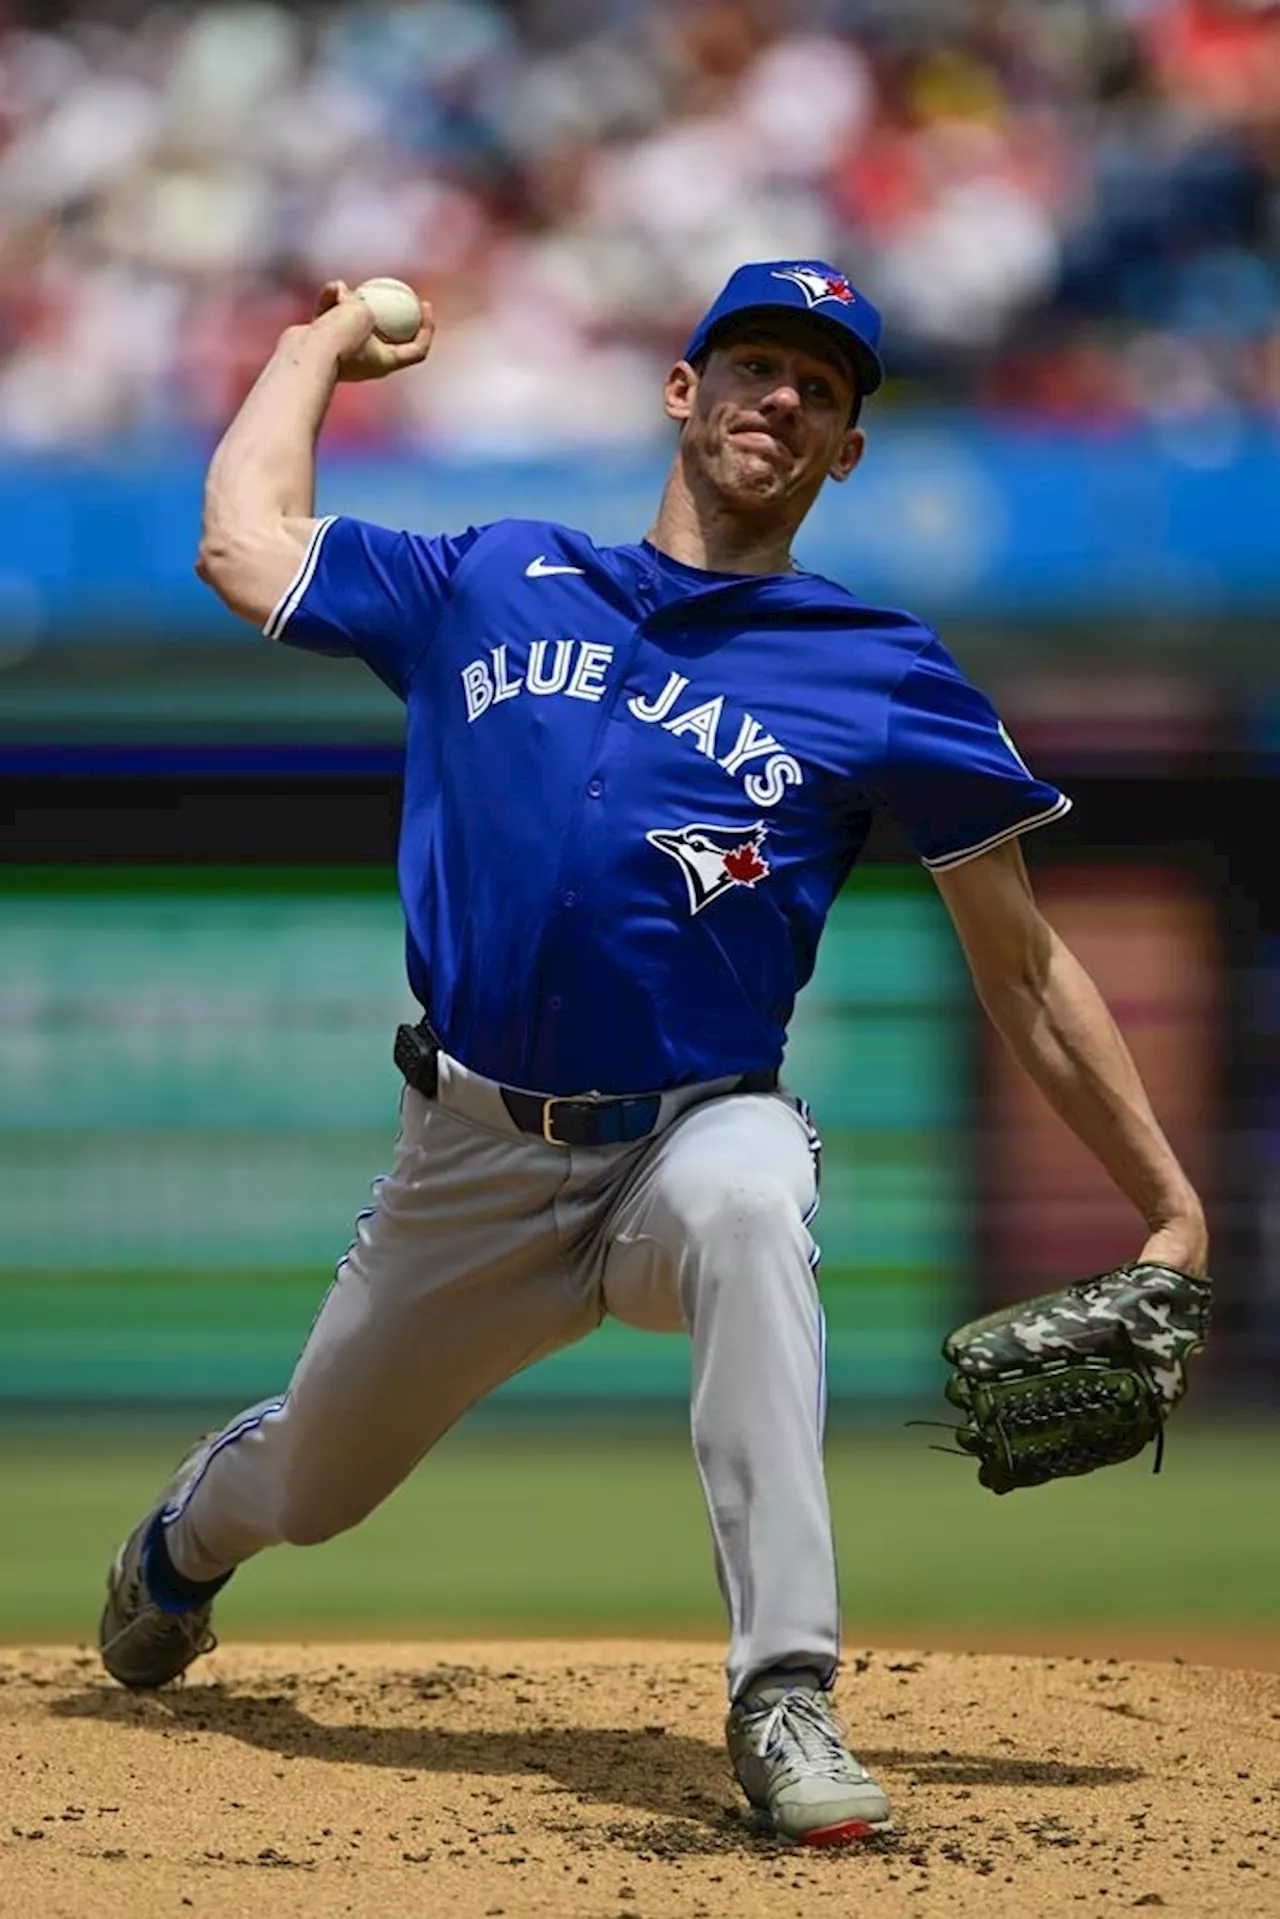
[1076, 1379]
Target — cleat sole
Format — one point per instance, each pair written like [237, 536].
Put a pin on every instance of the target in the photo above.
[846, 1833]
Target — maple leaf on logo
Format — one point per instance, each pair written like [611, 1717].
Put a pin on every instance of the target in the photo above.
[745, 865]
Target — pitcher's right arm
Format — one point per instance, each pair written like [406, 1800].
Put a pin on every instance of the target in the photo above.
[259, 498]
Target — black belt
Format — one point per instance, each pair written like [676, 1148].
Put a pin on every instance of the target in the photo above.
[590, 1120]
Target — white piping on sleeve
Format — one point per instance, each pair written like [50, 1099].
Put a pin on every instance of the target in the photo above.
[945, 861]
[287, 605]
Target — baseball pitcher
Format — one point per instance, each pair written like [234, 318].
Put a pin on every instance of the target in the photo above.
[636, 778]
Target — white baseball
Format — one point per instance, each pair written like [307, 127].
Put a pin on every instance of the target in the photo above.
[397, 310]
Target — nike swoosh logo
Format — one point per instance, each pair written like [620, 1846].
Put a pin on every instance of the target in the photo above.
[539, 570]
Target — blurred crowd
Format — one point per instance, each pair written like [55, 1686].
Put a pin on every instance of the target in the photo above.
[1068, 209]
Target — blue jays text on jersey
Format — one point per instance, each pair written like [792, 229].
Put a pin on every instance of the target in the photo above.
[633, 789]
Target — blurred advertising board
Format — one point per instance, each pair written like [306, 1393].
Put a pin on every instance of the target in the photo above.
[1149, 936]
[956, 518]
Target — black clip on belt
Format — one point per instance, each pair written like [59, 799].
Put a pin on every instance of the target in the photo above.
[607, 1121]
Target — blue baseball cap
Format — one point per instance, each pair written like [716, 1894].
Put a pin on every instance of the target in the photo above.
[810, 287]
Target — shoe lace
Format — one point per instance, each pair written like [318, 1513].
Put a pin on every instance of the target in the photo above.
[197, 1632]
[805, 1722]
[192, 1625]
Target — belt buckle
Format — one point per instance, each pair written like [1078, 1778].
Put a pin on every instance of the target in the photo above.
[548, 1117]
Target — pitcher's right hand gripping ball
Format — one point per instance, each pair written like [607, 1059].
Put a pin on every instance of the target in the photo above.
[364, 351]
[1077, 1379]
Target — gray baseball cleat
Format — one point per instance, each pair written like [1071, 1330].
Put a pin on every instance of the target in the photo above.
[788, 1751]
[143, 1643]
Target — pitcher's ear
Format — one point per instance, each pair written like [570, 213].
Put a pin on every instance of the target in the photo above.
[680, 390]
[852, 448]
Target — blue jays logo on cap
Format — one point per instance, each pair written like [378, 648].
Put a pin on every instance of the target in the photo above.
[818, 284]
[813, 287]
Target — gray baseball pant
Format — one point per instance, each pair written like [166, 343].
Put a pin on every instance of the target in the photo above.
[487, 1249]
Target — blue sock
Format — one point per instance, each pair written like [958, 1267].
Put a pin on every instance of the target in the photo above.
[172, 1590]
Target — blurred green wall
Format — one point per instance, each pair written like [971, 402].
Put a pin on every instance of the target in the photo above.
[196, 1091]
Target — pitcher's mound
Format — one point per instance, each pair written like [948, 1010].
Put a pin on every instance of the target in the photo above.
[590, 1781]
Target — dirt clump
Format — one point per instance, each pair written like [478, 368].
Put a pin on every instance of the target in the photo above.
[590, 1781]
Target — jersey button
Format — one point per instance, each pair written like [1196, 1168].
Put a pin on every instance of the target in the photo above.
[570, 897]
[556, 1003]
[594, 789]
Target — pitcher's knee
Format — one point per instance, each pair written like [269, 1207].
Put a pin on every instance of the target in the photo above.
[736, 1207]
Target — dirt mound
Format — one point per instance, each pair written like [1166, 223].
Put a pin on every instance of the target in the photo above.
[590, 1781]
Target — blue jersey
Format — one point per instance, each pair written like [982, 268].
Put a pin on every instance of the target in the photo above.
[633, 789]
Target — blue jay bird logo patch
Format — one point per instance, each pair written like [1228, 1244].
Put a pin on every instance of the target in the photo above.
[714, 858]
